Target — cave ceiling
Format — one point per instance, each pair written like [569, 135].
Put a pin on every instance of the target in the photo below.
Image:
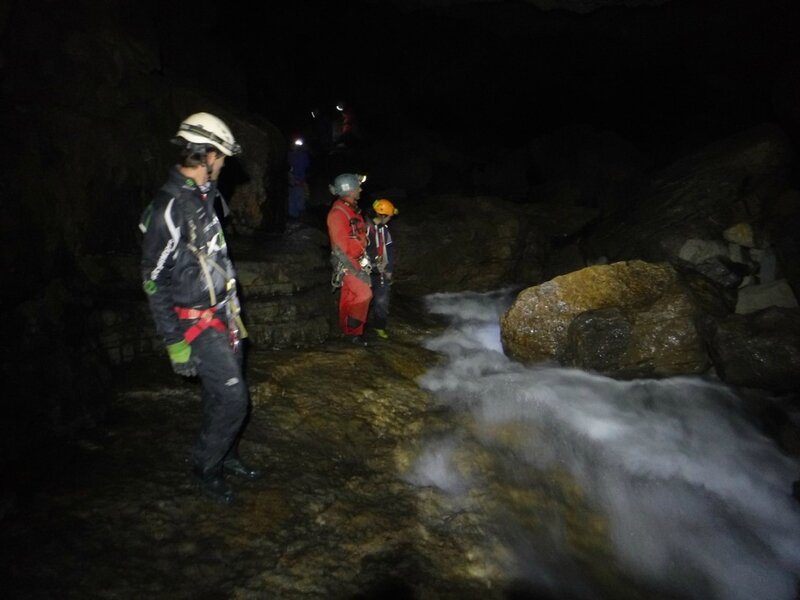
[578, 6]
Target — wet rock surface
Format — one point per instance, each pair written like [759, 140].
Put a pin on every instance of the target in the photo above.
[567, 319]
[119, 516]
[335, 428]
[760, 350]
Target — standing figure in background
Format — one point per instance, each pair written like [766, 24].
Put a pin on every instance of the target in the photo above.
[381, 255]
[190, 283]
[351, 266]
[345, 133]
[299, 165]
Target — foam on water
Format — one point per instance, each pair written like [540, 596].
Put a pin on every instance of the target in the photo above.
[697, 498]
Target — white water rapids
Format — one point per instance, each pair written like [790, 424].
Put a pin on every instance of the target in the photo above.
[697, 499]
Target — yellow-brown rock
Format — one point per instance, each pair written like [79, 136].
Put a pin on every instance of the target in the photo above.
[656, 335]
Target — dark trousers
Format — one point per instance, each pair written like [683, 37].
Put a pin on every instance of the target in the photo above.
[297, 200]
[379, 309]
[225, 401]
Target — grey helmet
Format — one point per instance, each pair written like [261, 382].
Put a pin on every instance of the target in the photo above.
[346, 183]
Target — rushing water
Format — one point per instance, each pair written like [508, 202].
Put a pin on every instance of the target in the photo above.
[697, 500]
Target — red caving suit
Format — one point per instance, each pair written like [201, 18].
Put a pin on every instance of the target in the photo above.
[347, 232]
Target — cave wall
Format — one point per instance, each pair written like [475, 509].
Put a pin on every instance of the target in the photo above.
[92, 92]
[90, 103]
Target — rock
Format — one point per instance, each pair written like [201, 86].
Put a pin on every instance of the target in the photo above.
[565, 259]
[466, 243]
[625, 319]
[741, 233]
[717, 188]
[709, 296]
[506, 177]
[597, 340]
[760, 350]
[767, 264]
[782, 227]
[756, 297]
[736, 253]
[725, 272]
[696, 251]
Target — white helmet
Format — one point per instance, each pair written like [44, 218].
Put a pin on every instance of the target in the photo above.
[205, 128]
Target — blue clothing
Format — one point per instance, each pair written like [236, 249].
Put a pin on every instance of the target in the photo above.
[297, 199]
[299, 163]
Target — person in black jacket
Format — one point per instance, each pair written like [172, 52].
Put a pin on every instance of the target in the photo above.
[381, 255]
[190, 283]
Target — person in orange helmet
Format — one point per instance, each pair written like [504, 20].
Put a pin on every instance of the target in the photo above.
[381, 254]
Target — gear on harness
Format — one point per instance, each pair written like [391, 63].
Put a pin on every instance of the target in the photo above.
[363, 262]
[206, 317]
[337, 278]
[381, 262]
[343, 264]
[236, 328]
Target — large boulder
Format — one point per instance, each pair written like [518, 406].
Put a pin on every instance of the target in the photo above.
[625, 319]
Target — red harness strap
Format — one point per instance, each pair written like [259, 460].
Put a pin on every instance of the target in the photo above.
[205, 319]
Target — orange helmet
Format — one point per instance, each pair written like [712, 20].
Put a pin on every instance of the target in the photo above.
[384, 207]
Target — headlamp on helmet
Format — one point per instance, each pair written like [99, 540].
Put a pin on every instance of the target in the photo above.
[346, 183]
[206, 129]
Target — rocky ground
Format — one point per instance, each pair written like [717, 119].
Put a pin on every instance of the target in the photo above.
[332, 517]
[335, 429]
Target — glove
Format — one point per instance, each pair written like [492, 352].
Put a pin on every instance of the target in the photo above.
[180, 355]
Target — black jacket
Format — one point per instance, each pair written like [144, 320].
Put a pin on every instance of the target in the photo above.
[179, 218]
[380, 244]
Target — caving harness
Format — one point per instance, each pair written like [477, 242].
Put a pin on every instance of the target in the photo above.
[205, 318]
[381, 260]
[342, 264]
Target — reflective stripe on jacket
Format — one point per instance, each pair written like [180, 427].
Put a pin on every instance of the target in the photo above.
[179, 220]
